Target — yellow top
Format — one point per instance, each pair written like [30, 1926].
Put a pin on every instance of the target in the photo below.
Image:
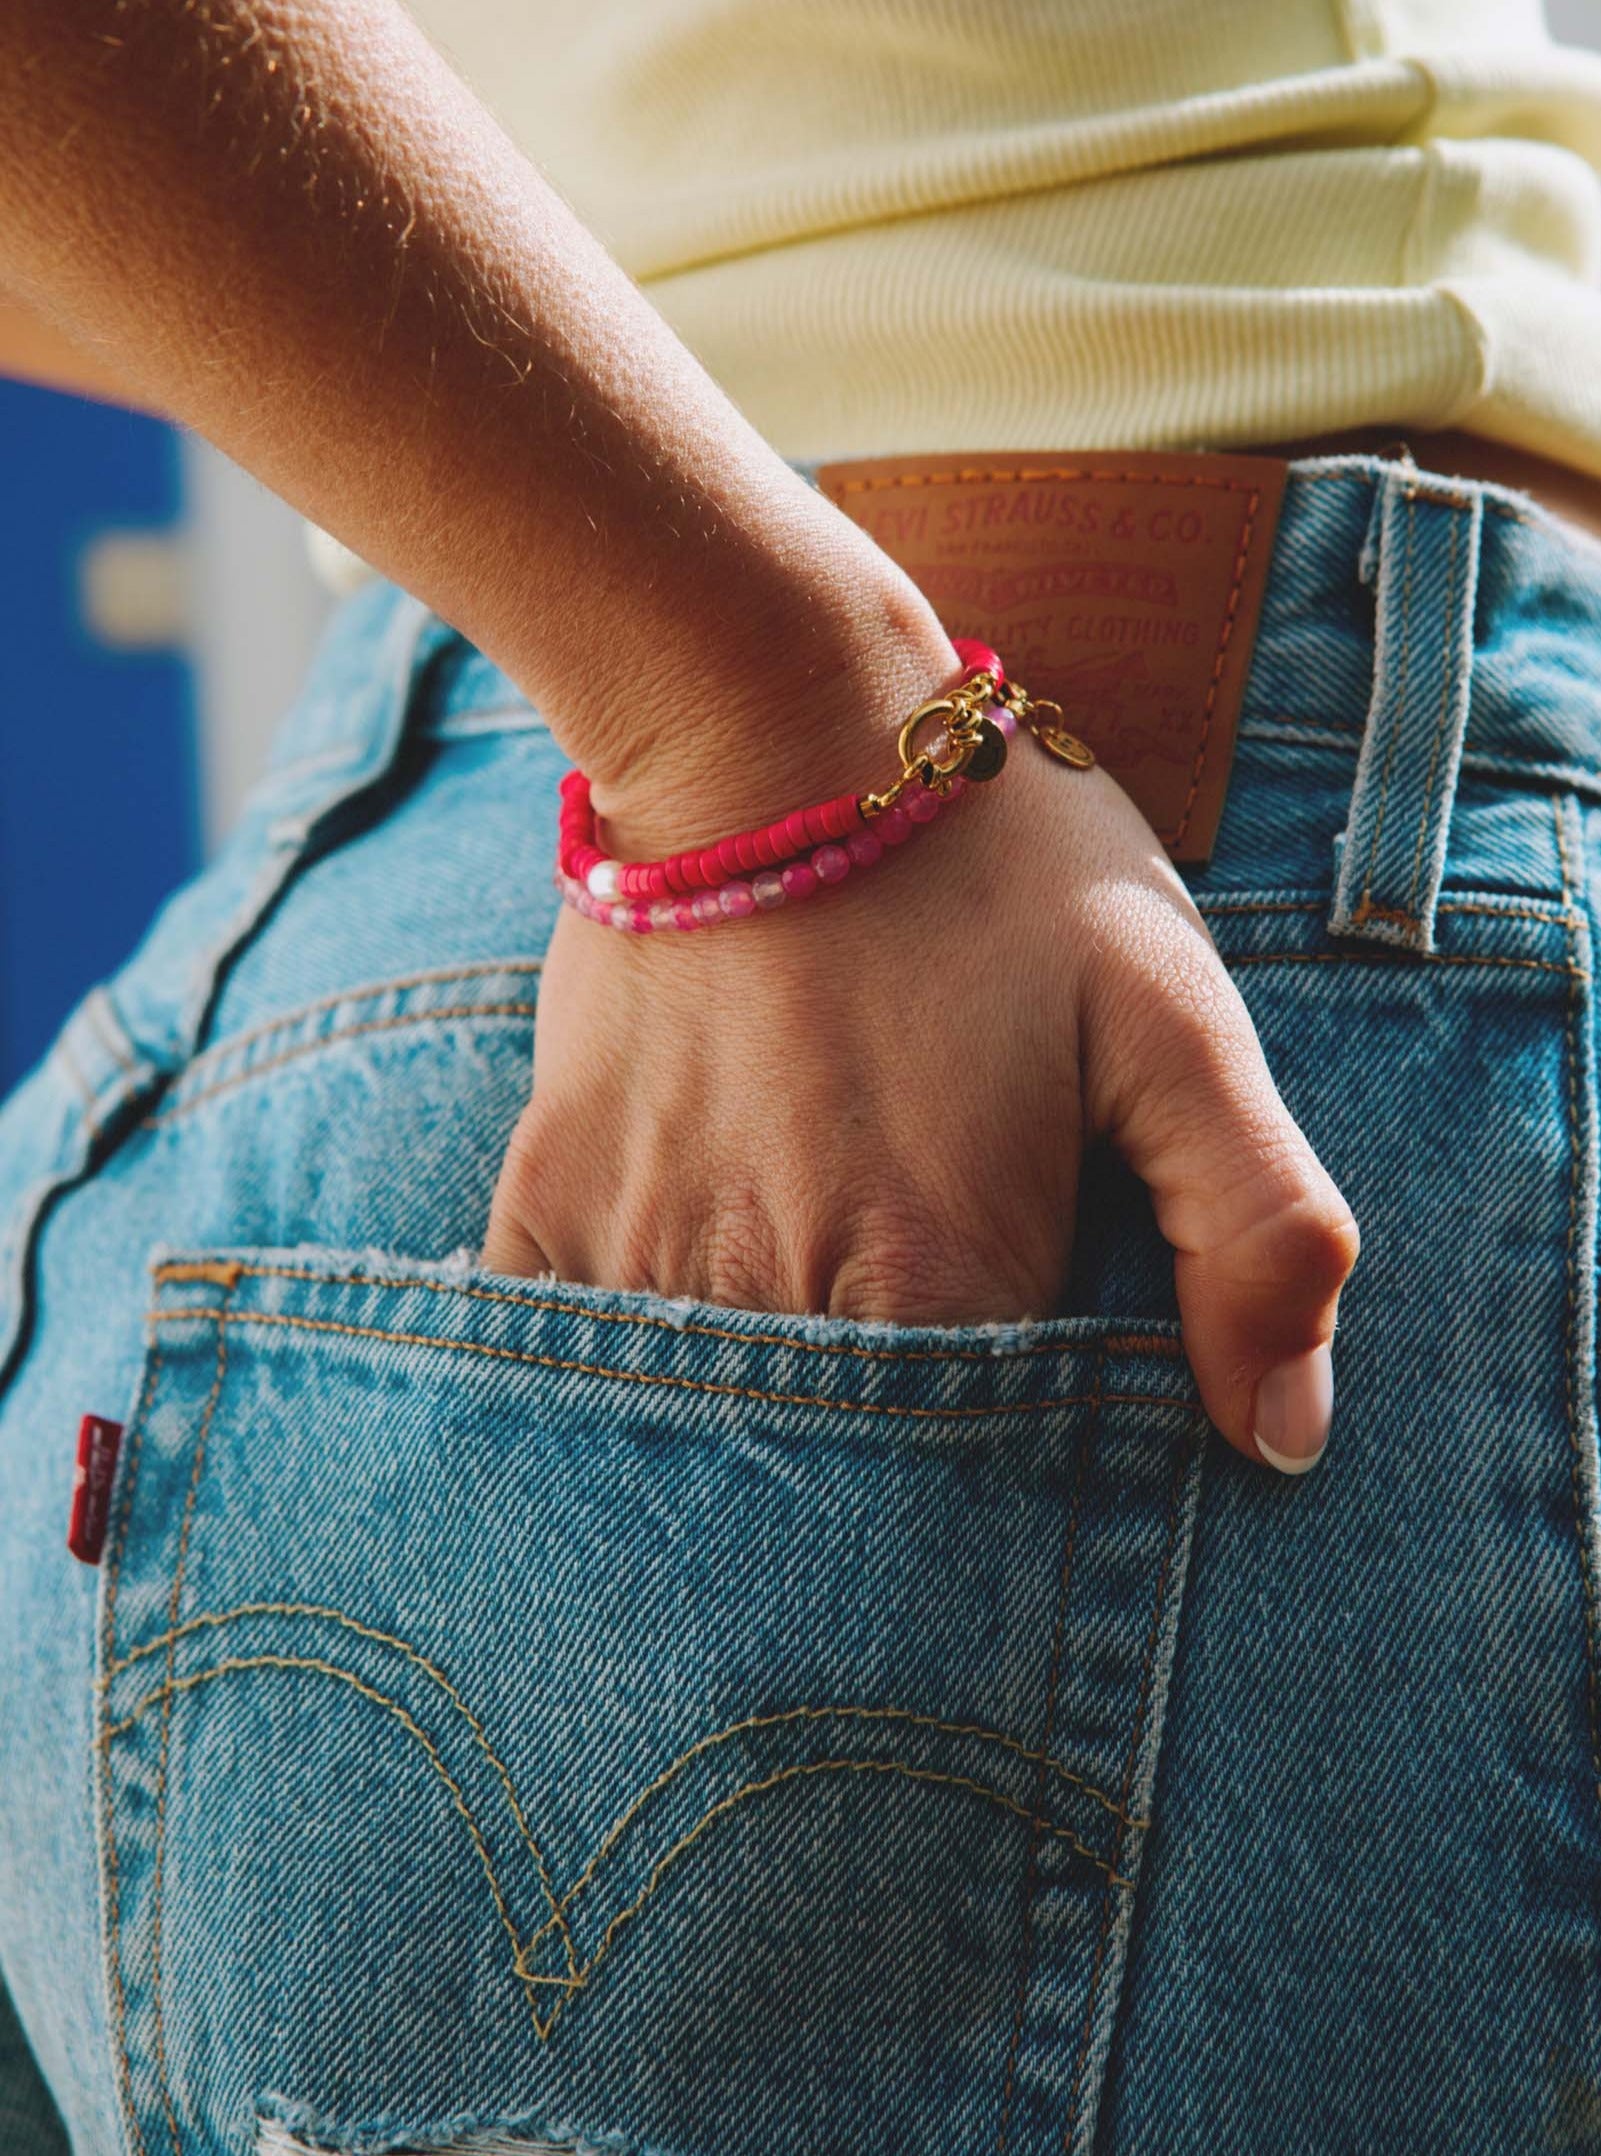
[900, 225]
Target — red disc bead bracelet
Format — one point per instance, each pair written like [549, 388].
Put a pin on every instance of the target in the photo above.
[811, 848]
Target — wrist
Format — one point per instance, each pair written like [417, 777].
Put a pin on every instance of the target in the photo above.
[812, 714]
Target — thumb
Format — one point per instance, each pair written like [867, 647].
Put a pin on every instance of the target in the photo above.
[1263, 1241]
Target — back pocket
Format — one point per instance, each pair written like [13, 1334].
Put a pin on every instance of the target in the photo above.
[533, 1710]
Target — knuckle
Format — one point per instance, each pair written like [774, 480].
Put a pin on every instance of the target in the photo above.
[1312, 1238]
[884, 1274]
[908, 1263]
[740, 1257]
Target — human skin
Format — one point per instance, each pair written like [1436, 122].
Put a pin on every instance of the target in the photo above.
[292, 228]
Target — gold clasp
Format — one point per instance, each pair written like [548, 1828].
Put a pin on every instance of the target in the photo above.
[970, 734]
[923, 763]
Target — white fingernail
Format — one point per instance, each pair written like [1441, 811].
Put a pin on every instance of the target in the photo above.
[1294, 1408]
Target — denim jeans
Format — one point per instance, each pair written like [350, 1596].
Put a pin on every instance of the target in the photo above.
[508, 1712]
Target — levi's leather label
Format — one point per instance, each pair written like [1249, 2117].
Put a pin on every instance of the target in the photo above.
[1123, 586]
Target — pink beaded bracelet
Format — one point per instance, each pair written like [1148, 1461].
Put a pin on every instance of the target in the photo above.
[812, 848]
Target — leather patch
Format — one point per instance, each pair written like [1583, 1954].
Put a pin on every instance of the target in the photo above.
[1125, 587]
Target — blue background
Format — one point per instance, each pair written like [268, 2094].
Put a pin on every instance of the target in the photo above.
[98, 792]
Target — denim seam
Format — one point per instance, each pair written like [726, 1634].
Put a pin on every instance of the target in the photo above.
[180, 1564]
[1390, 958]
[1070, 2132]
[95, 1006]
[1448, 677]
[450, 1012]
[108, 1836]
[1118, 1344]
[571, 1985]
[81, 1086]
[1366, 910]
[682, 1384]
[363, 992]
[1564, 865]
[1535, 515]
[1561, 530]
[1563, 919]
[1576, 1476]
[1058, 1631]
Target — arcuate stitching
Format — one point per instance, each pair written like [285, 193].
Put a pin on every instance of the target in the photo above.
[571, 1984]
[172, 1687]
[780, 1717]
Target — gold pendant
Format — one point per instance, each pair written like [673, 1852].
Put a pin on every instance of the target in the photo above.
[1067, 747]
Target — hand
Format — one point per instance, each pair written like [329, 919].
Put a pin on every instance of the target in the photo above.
[875, 1105]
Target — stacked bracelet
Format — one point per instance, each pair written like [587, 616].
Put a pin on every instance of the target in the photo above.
[812, 848]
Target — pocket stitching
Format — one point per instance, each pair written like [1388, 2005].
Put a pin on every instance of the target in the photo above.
[947, 1413]
[1119, 1344]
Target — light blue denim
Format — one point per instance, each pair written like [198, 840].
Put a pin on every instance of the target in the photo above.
[508, 1711]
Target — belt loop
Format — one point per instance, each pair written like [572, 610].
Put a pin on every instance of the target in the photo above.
[1390, 858]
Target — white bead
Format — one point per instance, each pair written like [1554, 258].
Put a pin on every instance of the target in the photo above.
[602, 879]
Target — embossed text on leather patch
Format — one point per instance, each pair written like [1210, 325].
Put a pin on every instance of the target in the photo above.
[1125, 586]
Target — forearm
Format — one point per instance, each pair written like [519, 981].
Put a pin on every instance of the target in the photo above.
[293, 228]
[35, 350]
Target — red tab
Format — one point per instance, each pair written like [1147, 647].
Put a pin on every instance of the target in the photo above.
[98, 1441]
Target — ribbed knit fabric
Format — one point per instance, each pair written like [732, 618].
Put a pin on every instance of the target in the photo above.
[900, 225]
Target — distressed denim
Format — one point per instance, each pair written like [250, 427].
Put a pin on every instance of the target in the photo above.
[510, 1713]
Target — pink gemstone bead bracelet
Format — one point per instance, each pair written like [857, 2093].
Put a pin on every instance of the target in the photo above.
[813, 848]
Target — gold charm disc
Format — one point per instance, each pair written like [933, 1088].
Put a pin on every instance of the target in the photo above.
[1066, 746]
[989, 755]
